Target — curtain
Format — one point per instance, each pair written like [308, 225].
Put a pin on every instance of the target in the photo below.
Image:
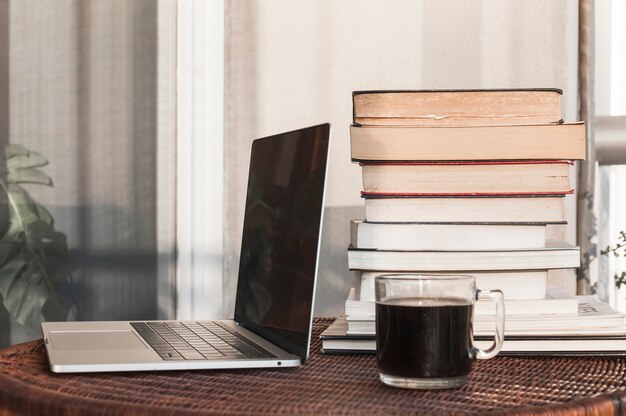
[83, 93]
[586, 213]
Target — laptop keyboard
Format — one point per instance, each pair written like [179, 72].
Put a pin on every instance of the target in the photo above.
[197, 341]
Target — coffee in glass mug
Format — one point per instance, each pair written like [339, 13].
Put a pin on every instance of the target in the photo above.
[424, 329]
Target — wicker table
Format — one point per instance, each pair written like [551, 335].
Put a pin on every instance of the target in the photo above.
[327, 384]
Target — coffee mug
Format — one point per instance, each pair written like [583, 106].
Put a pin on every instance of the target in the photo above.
[424, 329]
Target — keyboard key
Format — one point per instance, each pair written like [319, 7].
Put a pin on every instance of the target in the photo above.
[188, 355]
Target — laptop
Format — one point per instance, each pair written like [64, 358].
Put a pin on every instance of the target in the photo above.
[275, 287]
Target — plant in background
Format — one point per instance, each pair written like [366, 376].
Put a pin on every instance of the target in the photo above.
[618, 250]
[33, 256]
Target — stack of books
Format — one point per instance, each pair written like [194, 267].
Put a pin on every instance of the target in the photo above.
[466, 182]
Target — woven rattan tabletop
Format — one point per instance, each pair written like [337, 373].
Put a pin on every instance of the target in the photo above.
[327, 384]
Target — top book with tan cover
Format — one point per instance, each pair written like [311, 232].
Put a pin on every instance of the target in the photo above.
[431, 108]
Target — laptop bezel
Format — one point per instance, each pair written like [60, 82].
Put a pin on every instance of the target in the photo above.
[284, 344]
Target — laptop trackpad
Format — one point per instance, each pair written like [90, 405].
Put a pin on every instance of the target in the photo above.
[95, 340]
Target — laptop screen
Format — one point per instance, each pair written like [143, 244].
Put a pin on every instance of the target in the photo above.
[281, 230]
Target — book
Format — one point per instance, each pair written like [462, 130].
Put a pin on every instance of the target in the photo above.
[548, 209]
[337, 340]
[556, 255]
[555, 302]
[514, 142]
[518, 284]
[485, 328]
[446, 236]
[584, 345]
[467, 178]
[456, 107]
[593, 318]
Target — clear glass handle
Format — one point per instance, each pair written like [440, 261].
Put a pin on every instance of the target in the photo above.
[497, 297]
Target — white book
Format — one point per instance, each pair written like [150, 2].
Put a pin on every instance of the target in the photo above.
[556, 302]
[448, 236]
[593, 318]
[336, 338]
[522, 284]
[466, 209]
[559, 344]
[556, 255]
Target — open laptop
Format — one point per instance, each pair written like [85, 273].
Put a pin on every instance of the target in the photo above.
[275, 289]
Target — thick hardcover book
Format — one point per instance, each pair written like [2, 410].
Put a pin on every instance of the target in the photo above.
[466, 178]
[446, 236]
[456, 107]
[546, 209]
[556, 255]
[512, 142]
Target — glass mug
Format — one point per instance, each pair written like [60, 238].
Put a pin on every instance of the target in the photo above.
[424, 329]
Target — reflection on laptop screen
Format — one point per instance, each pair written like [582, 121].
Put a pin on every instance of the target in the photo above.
[280, 236]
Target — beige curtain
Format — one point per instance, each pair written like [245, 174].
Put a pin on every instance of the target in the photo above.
[586, 217]
[83, 92]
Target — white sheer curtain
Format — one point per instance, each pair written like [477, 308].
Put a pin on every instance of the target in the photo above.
[610, 123]
[84, 82]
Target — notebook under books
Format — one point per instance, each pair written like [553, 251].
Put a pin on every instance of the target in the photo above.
[275, 289]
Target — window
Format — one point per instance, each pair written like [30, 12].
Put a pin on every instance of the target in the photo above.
[89, 86]
[610, 87]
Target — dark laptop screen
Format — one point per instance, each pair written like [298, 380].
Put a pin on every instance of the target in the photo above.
[280, 236]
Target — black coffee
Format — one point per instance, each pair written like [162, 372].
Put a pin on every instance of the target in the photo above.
[424, 339]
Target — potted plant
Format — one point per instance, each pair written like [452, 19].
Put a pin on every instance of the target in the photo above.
[33, 255]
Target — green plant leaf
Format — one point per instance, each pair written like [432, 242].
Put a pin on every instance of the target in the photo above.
[27, 208]
[6, 249]
[28, 160]
[28, 175]
[27, 292]
[33, 256]
[29, 282]
[23, 208]
[44, 215]
[50, 247]
[8, 275]
[14, 149]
